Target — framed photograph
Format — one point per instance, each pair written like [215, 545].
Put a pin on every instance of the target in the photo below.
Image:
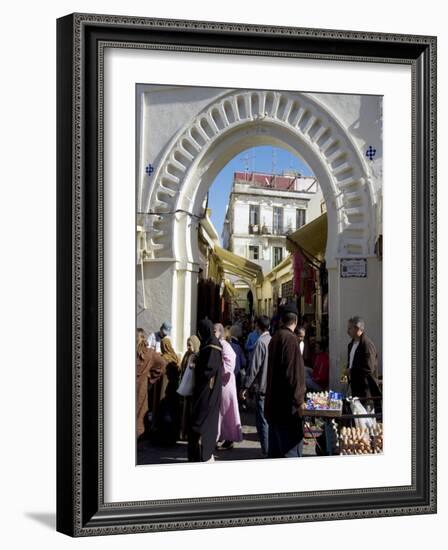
[246, 274]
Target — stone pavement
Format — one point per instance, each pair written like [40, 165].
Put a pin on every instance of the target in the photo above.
[249, 448]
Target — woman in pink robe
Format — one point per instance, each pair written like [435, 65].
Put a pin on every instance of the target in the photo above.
[229, 427]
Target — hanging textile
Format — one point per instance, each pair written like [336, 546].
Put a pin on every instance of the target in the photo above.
[309, 285]
[323, 277]
[298, 263]
[209, 301]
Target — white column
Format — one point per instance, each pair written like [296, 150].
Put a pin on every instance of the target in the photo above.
[336, 350]
[185, 297]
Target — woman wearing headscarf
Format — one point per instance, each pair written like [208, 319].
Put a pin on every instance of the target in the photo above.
[185, 389]
[206, 396]
[229, 427]
[149, 367]
[167, 417]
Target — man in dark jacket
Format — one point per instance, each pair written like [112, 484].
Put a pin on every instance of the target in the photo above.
[285, 389]
[206, 398]
[362, 363]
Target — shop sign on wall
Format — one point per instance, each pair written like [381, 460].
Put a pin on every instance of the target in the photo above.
[351, 267]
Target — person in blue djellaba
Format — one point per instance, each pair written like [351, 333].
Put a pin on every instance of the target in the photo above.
[251, 342]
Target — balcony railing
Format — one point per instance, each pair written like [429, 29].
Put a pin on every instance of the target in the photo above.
[269, 230]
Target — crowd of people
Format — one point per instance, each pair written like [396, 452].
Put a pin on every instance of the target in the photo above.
[272, 364]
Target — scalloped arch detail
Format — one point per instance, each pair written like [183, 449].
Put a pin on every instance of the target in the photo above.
[347, 188]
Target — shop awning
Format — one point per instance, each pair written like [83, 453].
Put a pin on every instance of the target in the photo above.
[311, 238]
[237, 265]
[230, 288]
[275, 270]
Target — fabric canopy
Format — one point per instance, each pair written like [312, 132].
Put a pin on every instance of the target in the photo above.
[237, 265]
[311, 238]
[230, 288]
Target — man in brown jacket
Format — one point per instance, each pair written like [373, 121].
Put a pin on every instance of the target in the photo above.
[362, 368]
[285, 389]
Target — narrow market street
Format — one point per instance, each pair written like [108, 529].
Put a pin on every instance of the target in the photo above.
[248, 449]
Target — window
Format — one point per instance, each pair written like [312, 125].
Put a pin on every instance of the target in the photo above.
[254, 214]
[277, 223]
[277, 255]
[253, 252]
[300, 217]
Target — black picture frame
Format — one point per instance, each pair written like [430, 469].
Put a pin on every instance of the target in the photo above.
[81, 510]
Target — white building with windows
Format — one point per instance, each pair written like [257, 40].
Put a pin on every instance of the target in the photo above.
[263, 209]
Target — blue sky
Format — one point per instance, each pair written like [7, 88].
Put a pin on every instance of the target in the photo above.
[258, 159]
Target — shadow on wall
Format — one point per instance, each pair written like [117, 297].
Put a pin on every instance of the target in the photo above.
[370, 123]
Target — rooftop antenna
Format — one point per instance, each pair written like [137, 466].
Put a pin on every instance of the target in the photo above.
[274, 161]
[246, 159]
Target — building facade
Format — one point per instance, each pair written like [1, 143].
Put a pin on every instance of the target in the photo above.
[263, 209]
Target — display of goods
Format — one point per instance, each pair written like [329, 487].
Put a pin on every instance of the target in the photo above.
[325, 400]
[361, 441]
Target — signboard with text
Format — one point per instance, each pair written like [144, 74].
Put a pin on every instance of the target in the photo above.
[353, 267]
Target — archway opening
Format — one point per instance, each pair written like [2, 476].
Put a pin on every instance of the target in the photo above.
[264, 160]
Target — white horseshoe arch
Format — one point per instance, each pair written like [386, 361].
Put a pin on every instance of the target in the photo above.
[232, 122]
[238, 119]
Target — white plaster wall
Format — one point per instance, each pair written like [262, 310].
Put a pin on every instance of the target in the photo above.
[362, 117]
[363, 297]
[240, 217]
[265, 213]
[239, 246]
[349, 297]
[314, 206]
[164, 111]
[158, 285]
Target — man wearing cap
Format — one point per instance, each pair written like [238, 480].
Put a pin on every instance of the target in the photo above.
[155, 338]
[285, 389]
